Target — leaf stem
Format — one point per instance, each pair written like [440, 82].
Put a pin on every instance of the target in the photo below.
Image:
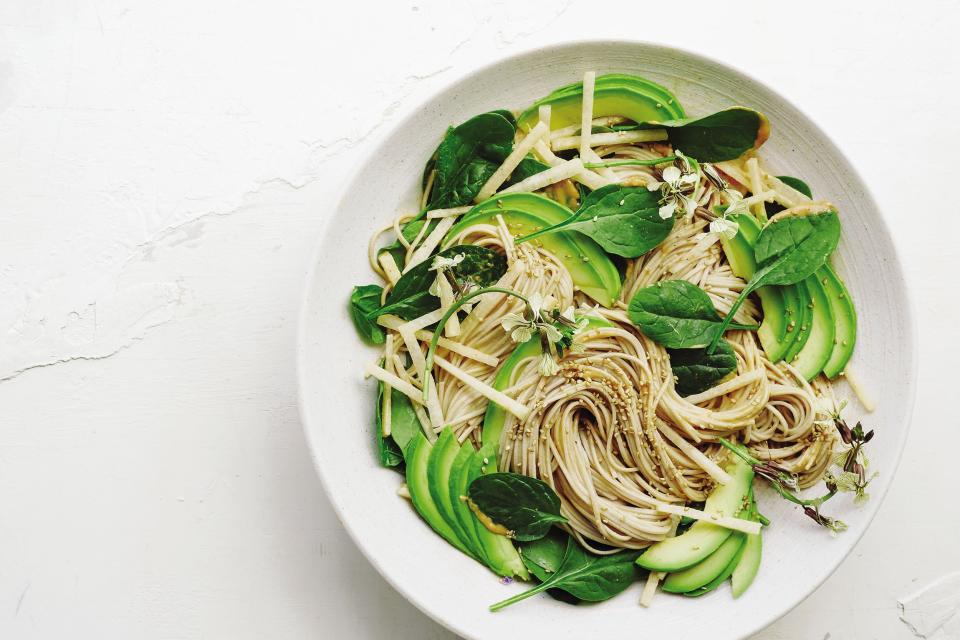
[543, 586]
[551, 228]
[629, 163]
[428, 366]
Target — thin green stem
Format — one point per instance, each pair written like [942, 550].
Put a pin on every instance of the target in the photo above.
[629, 163]
[551, 228]
[728, 319]
[543, 586]
[428, 367]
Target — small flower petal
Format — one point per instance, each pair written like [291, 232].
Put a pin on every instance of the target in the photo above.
[521, 334]
[536, 304]
[671, 175]
[551, 332]
[667, 210]
[653, 185]
[548, 366]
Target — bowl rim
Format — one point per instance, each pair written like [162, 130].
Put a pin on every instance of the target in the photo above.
[773, 613]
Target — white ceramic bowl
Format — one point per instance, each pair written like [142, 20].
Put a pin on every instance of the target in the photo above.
[337, 405]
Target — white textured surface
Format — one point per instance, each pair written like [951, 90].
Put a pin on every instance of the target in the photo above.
[165, 172]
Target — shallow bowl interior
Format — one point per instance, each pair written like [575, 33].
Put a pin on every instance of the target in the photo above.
[337, 404]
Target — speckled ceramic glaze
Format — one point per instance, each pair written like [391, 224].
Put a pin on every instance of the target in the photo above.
[337, 404]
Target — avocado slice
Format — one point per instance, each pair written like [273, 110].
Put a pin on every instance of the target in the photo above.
[709, 569]
[703, 538]
[746, 570]
[721, 577]
[750, 540]
[845, 316]
[799, 319]
[496, 415]
[591, 269]
[780, 305]
[417, 459]
[500, 554]
[457, 488]
[439, 465]
[809, 362]
[614, 94]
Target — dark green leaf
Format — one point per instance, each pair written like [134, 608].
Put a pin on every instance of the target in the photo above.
[585, 576]
[410, 297]
[724, 135]
[543, 557]
[788, 251]
[528, 167]
[525, 506]
[696, 370]
[675, 313]
[797, 184]
[625, 221]
[388, 452]
[793, 248]
[404, 424]
[468, 155]
[364, 301]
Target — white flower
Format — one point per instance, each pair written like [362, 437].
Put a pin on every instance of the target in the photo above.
[548, 366]
[675, 188]
[568, 314]
[441, 263]
[725, 228]
[737, 205]
[519, 328]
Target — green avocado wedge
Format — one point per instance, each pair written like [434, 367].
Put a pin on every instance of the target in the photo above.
[614, 94]
[703, 538]
[845, 316]
[750, 541]
[417, 458]
[439, 465]
[500, 554]
[457, 487]
[591, 269]
[749, 564]
[713, 567]
[811, 360]
[496, 415]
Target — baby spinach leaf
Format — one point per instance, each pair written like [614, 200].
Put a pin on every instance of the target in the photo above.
[677, 314]
[797, 184]
[625, 221]
[696, 370]
[724, 135]
[585, 576]
[543, 557]
[364, 301]
[525, 506]
[468, 156]
[787, 251]
[389, 454]
[411, 298]
[404, 424]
